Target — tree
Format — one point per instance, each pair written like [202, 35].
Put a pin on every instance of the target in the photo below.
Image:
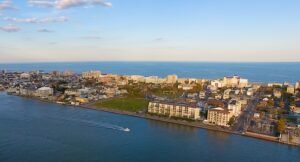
[281, 125]
[231, 121]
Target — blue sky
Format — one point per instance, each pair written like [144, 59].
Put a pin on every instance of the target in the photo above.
[149, 30]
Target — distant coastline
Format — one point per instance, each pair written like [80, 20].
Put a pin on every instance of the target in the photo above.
[263, 72]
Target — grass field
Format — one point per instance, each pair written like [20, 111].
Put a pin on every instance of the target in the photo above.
[126, 104]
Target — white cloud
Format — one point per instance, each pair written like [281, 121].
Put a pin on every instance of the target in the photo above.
[6, 5]
[10, 28]
[45, 31]
[63, 4]
[37, 20]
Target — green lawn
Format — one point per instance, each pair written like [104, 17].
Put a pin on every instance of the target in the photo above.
[126, 104]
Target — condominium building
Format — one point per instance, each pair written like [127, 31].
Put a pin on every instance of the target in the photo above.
[297, 86]
[290, 89]
[175, 109]
[171, 79]
[91, 74]
[219, 116]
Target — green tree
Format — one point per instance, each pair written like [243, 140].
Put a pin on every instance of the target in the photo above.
[281, 125]
[231, 121]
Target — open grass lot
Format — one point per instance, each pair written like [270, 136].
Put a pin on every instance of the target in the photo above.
[126, 104]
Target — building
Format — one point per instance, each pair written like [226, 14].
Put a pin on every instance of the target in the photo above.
[25, 76]
[68, 73]
[219, 116]
[277, 93]
[151, 79]
[171, 79]
[235, 107]
[91, 75]
[137, 78]
[175, 109]
[290, 89]
[297, 86]
[44, 92]
[72, 92]
[243, 83]
[231, 81]
[217, 83]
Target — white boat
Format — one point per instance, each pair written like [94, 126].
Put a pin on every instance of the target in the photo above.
[126, 130]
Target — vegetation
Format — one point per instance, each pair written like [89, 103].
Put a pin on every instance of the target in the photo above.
[281, 125]
[231, 121]
[126, 104]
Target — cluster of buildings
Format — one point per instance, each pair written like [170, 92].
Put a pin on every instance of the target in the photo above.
[215, 102]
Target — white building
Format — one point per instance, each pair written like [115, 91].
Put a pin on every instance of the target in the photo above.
[137, 78]
[219, 116]
[217, 83]
[173, 109]
[44, 92]
[235, 107]
[151, 79]
[25, 76]
[243, 83]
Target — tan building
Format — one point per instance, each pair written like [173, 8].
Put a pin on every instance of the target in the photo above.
[91, 74]
[219, 116]
[173, 109]
[171, 79]
[297, 86]
[290, 89]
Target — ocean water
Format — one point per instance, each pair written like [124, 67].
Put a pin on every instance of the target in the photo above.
[31, 130]
[255, 72]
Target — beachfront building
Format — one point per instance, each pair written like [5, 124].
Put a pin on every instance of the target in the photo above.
[171, 79]
[174, 109]
[235, 81]
[297, 86]
[219, 116]
[151, 79]
[217, 83]
[91, 74]
[290, 89]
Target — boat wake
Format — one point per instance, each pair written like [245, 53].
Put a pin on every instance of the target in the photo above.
[106, 125]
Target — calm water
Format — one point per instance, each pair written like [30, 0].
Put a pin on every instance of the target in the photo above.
[31, 130]
[256, 72]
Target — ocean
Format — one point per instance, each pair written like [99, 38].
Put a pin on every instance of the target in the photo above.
[255, 72]
[31, 130]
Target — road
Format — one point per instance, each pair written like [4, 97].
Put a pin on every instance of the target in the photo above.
[243, 121]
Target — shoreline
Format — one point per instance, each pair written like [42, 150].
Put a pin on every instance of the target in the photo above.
[168, 120]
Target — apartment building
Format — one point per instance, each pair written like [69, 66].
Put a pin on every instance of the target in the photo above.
[175, 109]
[219, 116]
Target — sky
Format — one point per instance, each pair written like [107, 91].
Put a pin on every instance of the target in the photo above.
[149, 30]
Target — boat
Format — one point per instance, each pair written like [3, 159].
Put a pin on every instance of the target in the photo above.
[126, 129]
